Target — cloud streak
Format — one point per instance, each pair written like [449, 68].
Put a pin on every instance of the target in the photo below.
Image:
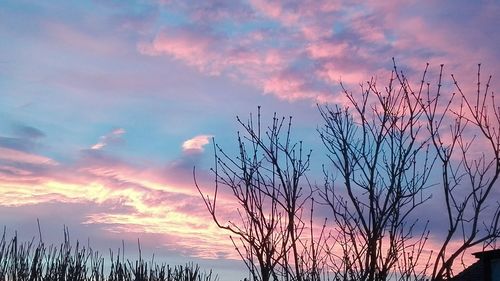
[12, 155]
[115, 136]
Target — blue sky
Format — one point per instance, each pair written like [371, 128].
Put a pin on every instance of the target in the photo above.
[105, 106]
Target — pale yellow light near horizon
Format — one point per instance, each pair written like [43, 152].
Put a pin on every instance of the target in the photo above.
[180, 228]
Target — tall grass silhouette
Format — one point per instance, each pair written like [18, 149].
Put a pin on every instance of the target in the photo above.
[35, 261]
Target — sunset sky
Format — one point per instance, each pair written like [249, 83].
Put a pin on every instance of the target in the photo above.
[106, 106]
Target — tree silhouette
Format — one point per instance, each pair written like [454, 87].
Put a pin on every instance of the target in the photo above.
[469, 177]
[376, 149]
[384, 146]
[391, 150]
[268, 182]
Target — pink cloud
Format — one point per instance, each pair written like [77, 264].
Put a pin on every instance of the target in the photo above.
[212, 54]
[187, 45]
[241, 58]
[293, 14]
[196, 144]
[25, 157]
[263, 69]
[333, 76]
[275, 10]
[323, 50]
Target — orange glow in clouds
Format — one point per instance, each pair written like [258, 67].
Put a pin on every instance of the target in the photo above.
[144, 206]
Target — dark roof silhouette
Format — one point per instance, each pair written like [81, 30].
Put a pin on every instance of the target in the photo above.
[471, 273]
[480, 270]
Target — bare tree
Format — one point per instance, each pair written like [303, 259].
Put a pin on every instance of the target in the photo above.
[376, 148]
[268, 182]
[384, 147]
[469, 175]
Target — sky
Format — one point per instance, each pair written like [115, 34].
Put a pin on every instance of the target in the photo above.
[106, 106]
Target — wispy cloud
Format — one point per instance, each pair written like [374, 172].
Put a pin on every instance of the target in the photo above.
[115, 136]
[12, 155]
